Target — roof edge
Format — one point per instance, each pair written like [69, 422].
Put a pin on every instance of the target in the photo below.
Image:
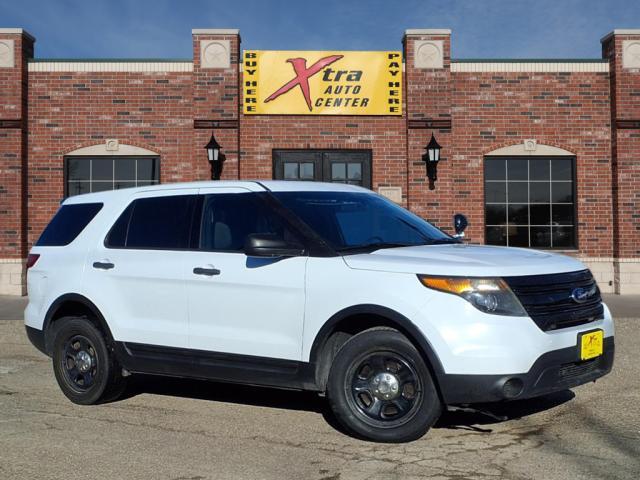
[17, 31]
[620, 31]
[215, 31]
[427, 31]
[529, 60]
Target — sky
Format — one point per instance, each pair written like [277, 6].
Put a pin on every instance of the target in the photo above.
[162, 28]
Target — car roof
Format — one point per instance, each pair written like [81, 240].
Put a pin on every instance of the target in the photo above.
[251, 185]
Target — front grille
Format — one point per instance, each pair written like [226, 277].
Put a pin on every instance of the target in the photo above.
[548, 299]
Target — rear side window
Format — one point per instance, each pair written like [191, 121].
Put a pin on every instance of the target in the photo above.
[67, 224]
[154, 223]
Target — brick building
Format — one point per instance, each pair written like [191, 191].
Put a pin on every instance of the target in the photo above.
[537, 153]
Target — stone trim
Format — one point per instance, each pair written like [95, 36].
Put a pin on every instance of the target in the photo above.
[105, 149]
[7, 57]
[12, 276]
[620, 31]
[539, 150]
[215, 31]
[17, 31]
[110, 66]
[427, 31]
[533, 67]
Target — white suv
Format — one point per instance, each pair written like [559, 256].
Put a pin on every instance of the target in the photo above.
[322, 287]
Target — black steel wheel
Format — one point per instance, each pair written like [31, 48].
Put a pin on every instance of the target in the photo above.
[79, 363]
[380, 388]
[385, 388]
[85, 368]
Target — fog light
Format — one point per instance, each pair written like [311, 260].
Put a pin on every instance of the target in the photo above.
[512, 388]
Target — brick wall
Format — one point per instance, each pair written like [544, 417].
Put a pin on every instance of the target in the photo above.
[566, 110]
[13, 161]
[625, 114]
[70, 110]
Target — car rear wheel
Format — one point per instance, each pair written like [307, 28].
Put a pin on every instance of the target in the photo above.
[86, 371]
[380, 388]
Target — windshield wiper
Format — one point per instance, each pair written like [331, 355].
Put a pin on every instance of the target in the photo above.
[372, 246]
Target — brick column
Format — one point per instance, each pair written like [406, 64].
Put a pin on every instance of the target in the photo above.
[428, 111]
[622, 48]
[216, 97]
[16, 46]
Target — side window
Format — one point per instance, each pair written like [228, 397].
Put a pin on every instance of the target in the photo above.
[67, 224]
[227, 219]
[154, 223]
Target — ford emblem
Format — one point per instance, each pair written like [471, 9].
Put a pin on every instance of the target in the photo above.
[581, 295]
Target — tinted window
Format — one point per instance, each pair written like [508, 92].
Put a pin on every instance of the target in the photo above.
[347, 220]
[227, 219]
[154, 223]
[67, 224]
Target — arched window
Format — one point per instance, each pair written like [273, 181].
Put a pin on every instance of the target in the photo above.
[95, 169]
[530, 198]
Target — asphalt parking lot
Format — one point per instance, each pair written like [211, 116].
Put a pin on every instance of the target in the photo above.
[186, 430]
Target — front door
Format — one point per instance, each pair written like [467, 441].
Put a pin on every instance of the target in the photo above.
[239, 304]
[335, 166]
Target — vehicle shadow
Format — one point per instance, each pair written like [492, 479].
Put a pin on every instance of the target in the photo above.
[475, 417]
[224, 392]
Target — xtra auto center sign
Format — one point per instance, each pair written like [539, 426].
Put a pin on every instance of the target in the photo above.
[322, 83]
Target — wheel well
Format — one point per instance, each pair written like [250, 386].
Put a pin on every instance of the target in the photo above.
[324, 351]
[73, 306]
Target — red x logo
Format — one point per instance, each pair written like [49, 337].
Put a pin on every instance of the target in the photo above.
[302, 76]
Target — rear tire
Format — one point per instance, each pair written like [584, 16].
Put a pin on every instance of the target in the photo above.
[85, 368]
[380, 388]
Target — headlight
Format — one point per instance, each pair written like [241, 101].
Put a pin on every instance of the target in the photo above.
[489, 295]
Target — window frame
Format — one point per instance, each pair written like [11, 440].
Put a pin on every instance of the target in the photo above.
[574, 177]
[67, 158]
[321, 158]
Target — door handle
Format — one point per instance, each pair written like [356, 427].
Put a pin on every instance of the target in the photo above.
[103, 265]
[209, 272]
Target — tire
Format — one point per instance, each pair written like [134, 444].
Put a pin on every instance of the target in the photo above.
[380, 388]
[85, 368]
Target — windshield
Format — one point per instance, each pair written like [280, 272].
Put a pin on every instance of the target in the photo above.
[353, 222]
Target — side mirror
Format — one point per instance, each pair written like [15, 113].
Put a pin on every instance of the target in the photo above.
[269, 245]
[459, 224]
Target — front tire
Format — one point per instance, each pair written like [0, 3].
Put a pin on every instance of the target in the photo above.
[86, 371]
[380, 388]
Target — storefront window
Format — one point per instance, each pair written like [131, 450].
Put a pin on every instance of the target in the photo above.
[530, 202]
[97, 174]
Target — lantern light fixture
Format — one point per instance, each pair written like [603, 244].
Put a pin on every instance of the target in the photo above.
[215, 157]
[431, 159]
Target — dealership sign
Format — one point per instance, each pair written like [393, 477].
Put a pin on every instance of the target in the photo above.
[322, 83]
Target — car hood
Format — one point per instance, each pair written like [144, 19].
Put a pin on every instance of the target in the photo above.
[464, 260]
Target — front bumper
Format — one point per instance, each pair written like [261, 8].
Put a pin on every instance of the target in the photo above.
[555, 370]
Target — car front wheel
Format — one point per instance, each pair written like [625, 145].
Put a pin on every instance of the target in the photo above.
[380, 388]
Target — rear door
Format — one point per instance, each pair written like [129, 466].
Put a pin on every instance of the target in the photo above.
[138, 273]
[239, 304]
